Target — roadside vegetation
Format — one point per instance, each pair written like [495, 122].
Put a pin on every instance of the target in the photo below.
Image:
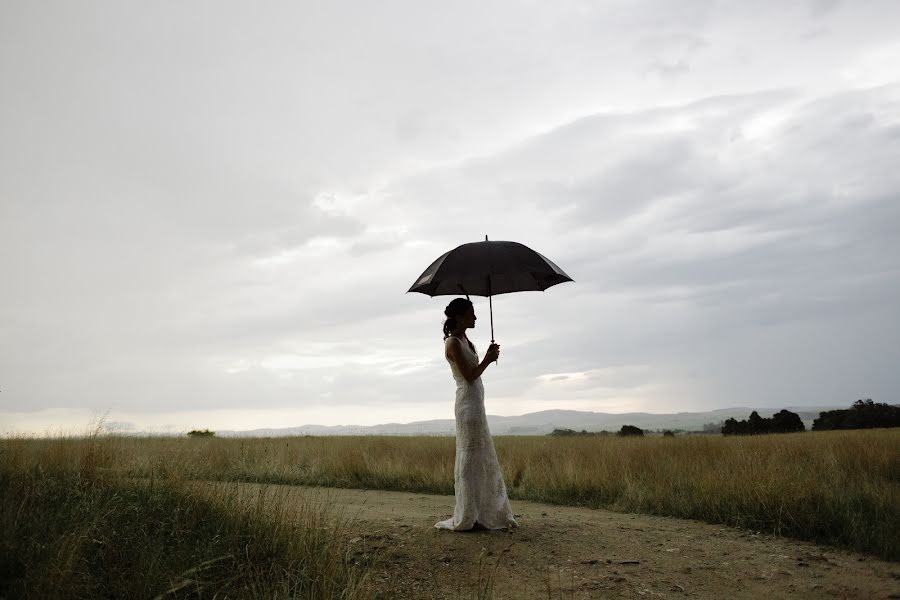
[74, 523]
[834, 487]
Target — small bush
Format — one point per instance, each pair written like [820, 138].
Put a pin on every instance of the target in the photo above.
[631, 430]
[201, 433]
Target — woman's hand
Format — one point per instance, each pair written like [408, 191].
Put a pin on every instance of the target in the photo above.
[493, 353]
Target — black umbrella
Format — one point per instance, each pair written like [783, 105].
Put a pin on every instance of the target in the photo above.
[488, 269]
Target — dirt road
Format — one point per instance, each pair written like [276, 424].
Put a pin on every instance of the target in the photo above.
[579, 553]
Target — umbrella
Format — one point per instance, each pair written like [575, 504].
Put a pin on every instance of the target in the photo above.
[487, 269]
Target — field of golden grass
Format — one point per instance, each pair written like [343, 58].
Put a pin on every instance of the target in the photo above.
[74, 524]
[835, 487]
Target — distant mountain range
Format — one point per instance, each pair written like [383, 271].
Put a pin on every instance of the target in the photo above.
[543, 422]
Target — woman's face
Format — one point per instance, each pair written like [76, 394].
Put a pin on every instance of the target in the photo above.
[468, 319]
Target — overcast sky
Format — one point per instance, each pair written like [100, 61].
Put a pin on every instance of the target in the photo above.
[210, 211]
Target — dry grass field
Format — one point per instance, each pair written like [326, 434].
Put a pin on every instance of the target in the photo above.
[112, 516]
[837, 487]
[73, 524]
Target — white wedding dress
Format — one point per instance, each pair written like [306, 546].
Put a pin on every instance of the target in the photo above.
[478, 481]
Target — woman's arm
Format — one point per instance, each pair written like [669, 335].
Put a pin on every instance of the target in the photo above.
[454, 353]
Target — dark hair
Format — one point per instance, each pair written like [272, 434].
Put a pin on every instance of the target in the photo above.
[457, 308]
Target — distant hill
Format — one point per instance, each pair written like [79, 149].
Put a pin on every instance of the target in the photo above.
[541, 423]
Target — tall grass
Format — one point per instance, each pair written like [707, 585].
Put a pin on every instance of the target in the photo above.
[72, 525]
[835, 487]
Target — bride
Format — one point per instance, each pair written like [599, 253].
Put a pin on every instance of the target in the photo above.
[480, 491]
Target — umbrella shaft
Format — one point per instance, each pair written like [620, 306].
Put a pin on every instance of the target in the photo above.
[491, 305]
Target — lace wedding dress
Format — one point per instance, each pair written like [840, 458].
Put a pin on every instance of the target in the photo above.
[478, 482]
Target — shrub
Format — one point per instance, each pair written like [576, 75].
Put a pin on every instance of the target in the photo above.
[201, 433]
[631, 430]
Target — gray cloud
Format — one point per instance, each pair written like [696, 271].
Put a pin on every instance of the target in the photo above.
[763, 213]
[672, 53]
[206, 209]
[821, 8]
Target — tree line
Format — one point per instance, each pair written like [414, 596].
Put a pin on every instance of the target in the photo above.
[627, 430]
[863, 414]
[784, 421]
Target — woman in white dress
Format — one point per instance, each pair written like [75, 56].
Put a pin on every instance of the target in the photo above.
[478, 482]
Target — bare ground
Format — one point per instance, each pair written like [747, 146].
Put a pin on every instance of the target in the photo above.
[580, 553]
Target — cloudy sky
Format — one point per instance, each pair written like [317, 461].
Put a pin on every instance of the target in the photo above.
[210, 212]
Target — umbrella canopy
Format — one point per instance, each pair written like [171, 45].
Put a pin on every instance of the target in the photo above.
[487, 269]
